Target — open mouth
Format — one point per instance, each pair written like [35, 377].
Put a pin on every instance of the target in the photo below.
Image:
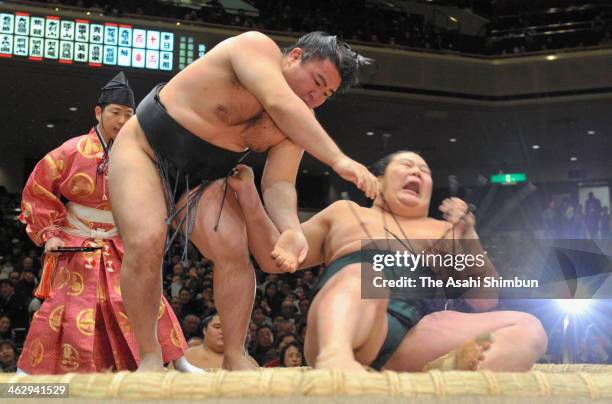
[413, 186]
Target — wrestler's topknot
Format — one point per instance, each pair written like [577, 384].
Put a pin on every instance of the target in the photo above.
[321, 45]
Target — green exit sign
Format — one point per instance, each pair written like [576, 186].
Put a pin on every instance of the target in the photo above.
[508, 179]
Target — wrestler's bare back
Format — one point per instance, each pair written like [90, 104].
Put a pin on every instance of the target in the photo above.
[342, 232]
[207, 99]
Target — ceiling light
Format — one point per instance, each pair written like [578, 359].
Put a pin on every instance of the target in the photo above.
[369, 133]
[178, 23]
[535, 146]
[591, 132]
[452, 140]
[573, 158]
[73, 109]
[551, 57]
[50, 125]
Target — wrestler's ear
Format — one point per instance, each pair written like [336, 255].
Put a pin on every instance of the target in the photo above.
[295, 55]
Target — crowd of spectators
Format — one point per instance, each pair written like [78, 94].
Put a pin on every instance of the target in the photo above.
[521, 30]
[278, 321]
[277, 328]
[566, 218]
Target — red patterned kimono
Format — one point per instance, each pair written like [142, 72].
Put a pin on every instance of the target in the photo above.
[82, 325]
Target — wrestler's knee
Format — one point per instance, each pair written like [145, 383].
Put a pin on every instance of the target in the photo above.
[231, 245]
[532, 332]
[435, 320]
[146, 250]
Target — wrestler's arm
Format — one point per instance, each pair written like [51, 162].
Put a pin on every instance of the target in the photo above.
[480, 299]
[255, 59]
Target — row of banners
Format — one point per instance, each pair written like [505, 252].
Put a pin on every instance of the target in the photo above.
[82, 41]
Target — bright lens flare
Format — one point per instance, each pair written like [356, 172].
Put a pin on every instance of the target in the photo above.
[573, 306]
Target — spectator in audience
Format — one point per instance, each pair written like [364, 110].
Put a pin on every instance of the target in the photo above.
[549, 218]
[176, 286]
[26, 284]
[13, 305]
[8, 356]
[5, 327]
[259, 318]
[285, 290]
[304, 305]
[604, 223]
[592, 210]
[177, 271]
[292, 356]
[286, 326]
[189, 306]
[578, 224]
[278, 320]
[302, 330]
[27, 264]
[288, 309]
[193, 281]
[272, 298]
[15, 276]
[596, 346]
[209, 355]
[191, 324]
[175, 302]
[308, 280]
[281, 342]
[264, 349]
[6, 267]
[251, 343]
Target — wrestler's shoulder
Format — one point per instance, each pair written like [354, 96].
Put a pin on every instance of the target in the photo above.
[253, 36]
[436, 223]
[254, 40]
[195, 352]
[340, 208]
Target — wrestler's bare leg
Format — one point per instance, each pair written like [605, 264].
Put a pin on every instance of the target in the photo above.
[344, 331]
[139, 211]
[518, 340]
[233, 275]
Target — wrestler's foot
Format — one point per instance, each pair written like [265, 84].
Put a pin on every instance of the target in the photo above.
[182, 365]
[151, 362]
[290, 250]
[467, 357]
[238, 362]
[332, 360]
